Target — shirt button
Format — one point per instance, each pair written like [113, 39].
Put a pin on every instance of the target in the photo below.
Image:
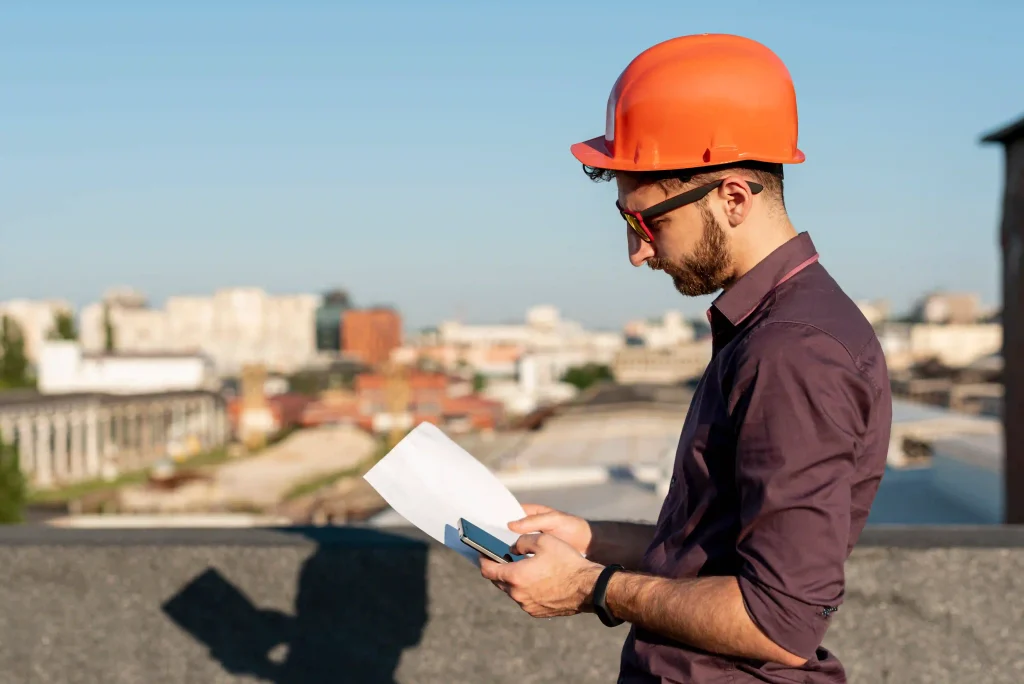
[672, 482]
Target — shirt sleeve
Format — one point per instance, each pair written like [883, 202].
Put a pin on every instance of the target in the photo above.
[798, 405]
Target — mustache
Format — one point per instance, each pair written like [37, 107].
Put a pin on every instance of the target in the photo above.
[657, 264]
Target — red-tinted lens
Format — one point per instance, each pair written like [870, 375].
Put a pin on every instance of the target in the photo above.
[637, 225]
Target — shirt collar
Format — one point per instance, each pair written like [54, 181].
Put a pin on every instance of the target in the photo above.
[743, 298]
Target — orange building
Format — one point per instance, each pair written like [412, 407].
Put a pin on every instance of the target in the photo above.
[371, 334]
[428, 400]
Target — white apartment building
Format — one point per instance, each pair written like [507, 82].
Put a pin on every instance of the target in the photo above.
[670, 331]
[64, 368]
[544, 330]
[665, 365]
[233, 327]
[36, 318]
[955, 346]
[525, 362]
[877, 312]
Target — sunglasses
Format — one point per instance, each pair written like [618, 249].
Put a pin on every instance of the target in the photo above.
[637, 220]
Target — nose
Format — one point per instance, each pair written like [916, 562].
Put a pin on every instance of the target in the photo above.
[639, 250]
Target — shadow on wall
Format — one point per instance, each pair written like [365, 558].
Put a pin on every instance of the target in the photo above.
[358, 606]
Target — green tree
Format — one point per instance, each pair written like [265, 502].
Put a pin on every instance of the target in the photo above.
[109, 343]
[13, 361]
[584, 376]
[12, 485]
[64, 327]
[479, 382]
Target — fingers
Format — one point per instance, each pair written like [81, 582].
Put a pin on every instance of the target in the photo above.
[526, 544]
[540, 522]
[536, 509]
[491, 570]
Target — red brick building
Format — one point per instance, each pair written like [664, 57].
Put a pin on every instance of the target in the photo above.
[371, 334]
[428, 400]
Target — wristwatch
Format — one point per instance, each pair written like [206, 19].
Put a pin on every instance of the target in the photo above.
[600, 587]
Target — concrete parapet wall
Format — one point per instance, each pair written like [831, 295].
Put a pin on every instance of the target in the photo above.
[355, 605]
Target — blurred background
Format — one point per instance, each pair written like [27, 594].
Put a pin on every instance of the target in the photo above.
[247, 246]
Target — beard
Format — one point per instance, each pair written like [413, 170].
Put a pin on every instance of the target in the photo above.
[708, 269]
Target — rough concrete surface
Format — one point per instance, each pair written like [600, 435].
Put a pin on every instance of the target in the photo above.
[356, 605]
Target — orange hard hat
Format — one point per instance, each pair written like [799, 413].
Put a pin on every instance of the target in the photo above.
[698, 101]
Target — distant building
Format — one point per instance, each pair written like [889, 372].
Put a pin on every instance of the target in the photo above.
[282, 411]
[233, 327]
[79, 437]
[523, 363]
[36, 319]
[430, 397]
[949, 308]
[667, 365]
[1012, 240]
[544, 330]
[876, 312]
[952, 345]
[668, 331]
[371, 335]
[64, 369]
[328, 321]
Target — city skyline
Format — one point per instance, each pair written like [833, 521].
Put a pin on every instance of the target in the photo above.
[186, 149]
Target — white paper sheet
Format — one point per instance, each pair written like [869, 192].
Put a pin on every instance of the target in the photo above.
[431, 481]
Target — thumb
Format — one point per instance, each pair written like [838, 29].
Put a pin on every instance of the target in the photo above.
[526, 544]
[536, 509]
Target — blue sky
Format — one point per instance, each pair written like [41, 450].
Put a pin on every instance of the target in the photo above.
[417, 153]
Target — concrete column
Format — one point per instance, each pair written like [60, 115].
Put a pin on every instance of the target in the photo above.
[193, 421]
[118, 443]
[159, 420]
[92, 443]
[197, 423]
[205, 422]
[116, 430]
[131, 439]
[77, 451]
[61, 472]
[218, 424]
[7, 430]
[43, 461]
[177, 423]
[146, 436]
[26, 445]
[103, 428]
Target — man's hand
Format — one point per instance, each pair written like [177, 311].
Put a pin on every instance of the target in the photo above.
[557, 580]
[569, 528]
[604, 542]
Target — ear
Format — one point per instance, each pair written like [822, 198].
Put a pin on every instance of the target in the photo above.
[738, 199]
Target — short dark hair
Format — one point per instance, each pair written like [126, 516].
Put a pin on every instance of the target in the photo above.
[769, 175]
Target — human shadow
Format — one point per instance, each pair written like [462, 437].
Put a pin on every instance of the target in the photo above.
[626, 475]
[361, 601]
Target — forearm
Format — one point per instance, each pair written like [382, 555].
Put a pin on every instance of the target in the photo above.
[707, 613]
[623, 543]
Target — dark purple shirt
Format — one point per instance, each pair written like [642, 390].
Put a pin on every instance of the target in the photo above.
[781, 454]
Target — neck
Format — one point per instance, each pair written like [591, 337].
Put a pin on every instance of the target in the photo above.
[763, 240]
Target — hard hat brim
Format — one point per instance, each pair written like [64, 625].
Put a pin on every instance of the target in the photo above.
[595, 153]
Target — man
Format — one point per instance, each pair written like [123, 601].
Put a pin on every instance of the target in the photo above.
[785, 441]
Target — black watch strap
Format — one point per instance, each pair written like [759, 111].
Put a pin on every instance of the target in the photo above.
[600, 588]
